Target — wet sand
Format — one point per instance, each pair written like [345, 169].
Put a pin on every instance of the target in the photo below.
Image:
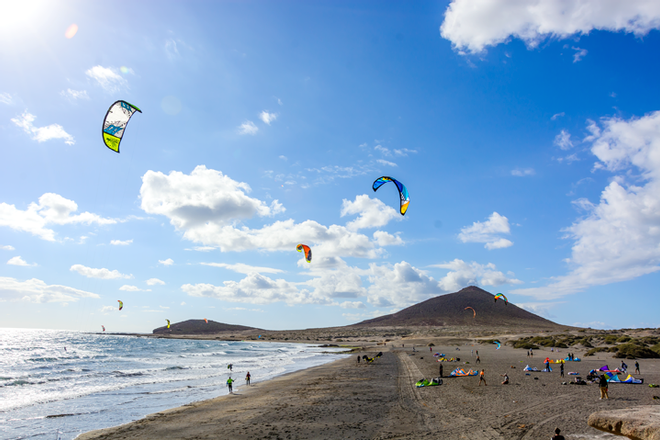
[344, 400]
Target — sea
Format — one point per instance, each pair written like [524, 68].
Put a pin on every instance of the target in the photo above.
[55, 385]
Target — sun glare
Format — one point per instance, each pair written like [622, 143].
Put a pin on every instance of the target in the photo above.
[18, 16]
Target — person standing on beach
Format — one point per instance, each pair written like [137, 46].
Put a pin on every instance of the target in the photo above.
[561, 369]
[478, 361]
[358, 359]
[637, 368]
[482, 378]
[440, 370]
[229, 382]
[602, 384]
[247, 378]
[557, 435]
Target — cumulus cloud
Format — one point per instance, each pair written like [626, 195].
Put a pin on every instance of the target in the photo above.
[120, 242]
[74, 94]
[267, 117]
[372, 213]
[488, 232]
[352, 305]
[18, 261]
[37, 291]
[103, 273]
[7, 248]
[244, 268]
[108, 78]
[462, 274]
[473, 25]
[563, 140]
[522, 172]
[383, 239]
[618, 238]
[42, 134]
[207, 205]
[129, 288]
[167, 262]
[248, 127]
[51, 209]
[155, 282]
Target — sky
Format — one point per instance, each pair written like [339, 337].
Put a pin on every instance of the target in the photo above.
[527, 134]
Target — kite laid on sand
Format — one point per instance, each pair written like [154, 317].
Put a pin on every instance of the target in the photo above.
[115, 121]
[403, 192]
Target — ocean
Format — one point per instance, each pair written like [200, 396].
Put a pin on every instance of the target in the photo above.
[58, 384]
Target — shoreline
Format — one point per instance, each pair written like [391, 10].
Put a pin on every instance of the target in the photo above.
[343, 400]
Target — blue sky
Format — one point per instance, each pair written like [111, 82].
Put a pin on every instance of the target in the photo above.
[527, 133]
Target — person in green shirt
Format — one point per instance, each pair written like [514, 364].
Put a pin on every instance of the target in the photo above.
[229, 382]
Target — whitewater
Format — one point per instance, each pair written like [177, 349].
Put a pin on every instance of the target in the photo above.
[58, 384]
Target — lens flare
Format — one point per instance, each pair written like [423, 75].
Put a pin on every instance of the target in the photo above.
[71, 31]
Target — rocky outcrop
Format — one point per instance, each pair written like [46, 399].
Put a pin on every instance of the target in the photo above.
[638, 423]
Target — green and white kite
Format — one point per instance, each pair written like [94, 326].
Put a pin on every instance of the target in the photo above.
[115, 123]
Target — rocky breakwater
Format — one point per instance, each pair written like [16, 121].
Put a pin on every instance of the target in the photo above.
[637, 423]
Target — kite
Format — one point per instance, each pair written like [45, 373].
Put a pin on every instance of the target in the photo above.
[121, 304]
[168, 323]
[115, 121]
[207, 321]
[403, 192]
[103, 327]
[473, 311]
[502, 297]
[308, 251]
[498, 345]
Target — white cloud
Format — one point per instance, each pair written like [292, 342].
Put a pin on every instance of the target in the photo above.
[51, 209]
[488, 232]
[522, 172]
[108, 309]
[267, 117]
[120, 242]
[383, 239]
[37, 291]
[463, 274]
[404, 152]
[129, 288]
[8, 248]
[107, 77]
[284, 157]
[183, 303]
[619, 237]
[563, 140]
[154, 282]
[42, 134]
[383, 150]
[206, 206]
[372, 213]
[557, 115]
[104, 274]
[386, 163]
[18, 261]
[399, 285]
[171, 49]
[6, 98]
[352, 305]
[472, 25]
[248, 127]
[167, 262]
[579, 54]
[74, 94]
[244, 268]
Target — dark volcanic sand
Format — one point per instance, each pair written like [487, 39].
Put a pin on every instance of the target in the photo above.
[342, 400]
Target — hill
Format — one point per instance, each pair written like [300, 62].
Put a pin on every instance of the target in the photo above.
[449, 310]
[200, 327]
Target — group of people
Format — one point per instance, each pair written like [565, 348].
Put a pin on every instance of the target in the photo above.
[231, 381]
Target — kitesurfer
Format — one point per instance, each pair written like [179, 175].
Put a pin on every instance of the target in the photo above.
[602, 384]
[229, 382]
[482, 378]
[230, 366]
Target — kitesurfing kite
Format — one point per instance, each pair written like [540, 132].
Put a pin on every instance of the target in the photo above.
[403, 192]
[168, 323]
[473, 311]
[103, 327]
[115, 121]
[207, 321]
[498, 344]
[308, 251]
[121, 304]
[502, 297]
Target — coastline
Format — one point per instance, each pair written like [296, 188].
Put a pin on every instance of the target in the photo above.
[344, 400]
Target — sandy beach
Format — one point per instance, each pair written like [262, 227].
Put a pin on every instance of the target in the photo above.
[344, 400]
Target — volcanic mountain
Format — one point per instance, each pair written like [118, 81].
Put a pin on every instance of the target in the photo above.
[200, 327]
[449, 310]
